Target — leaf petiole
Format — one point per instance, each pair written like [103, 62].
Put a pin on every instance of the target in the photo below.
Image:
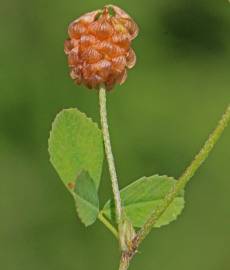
[107, 224]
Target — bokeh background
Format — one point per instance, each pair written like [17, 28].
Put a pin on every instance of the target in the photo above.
[159, 119]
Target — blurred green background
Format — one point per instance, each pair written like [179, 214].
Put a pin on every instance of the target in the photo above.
[159, 119]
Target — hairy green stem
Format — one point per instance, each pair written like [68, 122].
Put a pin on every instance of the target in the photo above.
[181, 183]
[107, 224]
[109, 154]
[187, 175]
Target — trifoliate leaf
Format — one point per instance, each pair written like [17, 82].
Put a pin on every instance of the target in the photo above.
[141, 198]
[86, 198]
[75, 144]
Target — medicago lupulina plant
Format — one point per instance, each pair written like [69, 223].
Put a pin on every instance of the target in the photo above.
[99, 54]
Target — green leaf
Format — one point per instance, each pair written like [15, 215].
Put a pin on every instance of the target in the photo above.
[75, 144]
[142, 197]
[86, 198]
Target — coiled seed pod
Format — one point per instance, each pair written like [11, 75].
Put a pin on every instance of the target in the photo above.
[99, 47]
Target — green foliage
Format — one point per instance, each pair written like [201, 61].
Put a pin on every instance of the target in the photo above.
[86, 197]
[76, 152]
[140, 198]
[75, 144]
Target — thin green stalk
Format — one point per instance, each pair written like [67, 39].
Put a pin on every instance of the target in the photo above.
[107, 224]
[181, 183]
[187, 175]
[109, 154]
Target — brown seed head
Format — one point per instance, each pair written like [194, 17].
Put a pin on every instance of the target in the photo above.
[99, 47]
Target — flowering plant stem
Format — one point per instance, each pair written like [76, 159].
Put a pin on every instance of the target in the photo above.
[109, 155]
[180, 185]
[127, 255]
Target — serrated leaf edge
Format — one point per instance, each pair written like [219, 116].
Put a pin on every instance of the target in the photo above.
[77, 209]
[58, 115]
[146, 178]
[175, 218]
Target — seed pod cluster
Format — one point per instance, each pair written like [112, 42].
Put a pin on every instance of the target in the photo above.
[99, 47]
